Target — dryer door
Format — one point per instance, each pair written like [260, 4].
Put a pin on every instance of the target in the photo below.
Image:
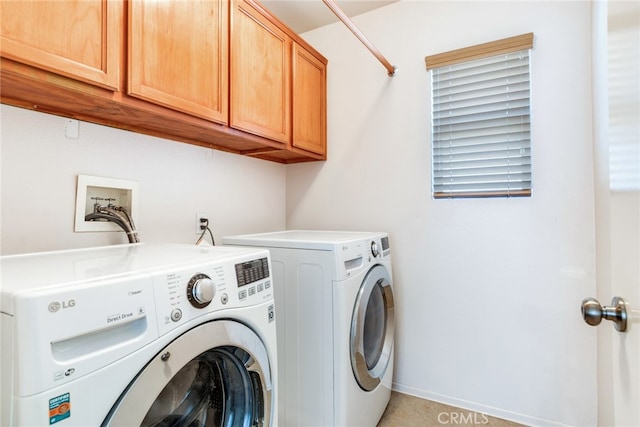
[216, 374]
[372, 327]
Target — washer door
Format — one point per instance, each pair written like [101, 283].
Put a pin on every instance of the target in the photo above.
[372, 325]
[216, 374]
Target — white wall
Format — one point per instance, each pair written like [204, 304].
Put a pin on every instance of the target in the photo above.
[488, 291]
[40, 167]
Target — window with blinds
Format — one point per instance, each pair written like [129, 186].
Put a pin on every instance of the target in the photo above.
[480, 120]
[623, 49]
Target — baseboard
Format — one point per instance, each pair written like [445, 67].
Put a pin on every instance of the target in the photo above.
[477, 407]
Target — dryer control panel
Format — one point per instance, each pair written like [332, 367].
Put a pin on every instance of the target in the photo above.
[358, 255]
[380, 247]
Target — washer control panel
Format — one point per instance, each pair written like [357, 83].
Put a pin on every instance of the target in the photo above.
[252, 277]
[184, 294]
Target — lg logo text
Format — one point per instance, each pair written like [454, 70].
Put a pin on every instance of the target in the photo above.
[55, 306]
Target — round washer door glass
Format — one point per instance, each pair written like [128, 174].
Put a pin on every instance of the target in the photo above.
[216, 374]
[372, 325]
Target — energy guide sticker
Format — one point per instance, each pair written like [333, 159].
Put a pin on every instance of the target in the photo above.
[59, 408]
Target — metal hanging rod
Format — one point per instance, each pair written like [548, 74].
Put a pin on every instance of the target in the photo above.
[345, 19]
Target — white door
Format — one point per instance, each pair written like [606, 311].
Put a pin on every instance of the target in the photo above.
[617, 161]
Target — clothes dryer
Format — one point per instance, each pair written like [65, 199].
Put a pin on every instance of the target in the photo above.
[335, 310]
[138, 335]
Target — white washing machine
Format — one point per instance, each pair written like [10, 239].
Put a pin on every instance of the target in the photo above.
[335, 310]
[138, 335]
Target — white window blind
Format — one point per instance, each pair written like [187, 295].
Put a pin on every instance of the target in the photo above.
[481, 133]
[624, 102]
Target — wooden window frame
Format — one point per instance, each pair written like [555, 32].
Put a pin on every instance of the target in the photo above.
[510, 44]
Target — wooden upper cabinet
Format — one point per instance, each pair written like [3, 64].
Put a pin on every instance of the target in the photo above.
[178, 55]
[260, 75]
[77, 39]
[309, 101]
[224, 74]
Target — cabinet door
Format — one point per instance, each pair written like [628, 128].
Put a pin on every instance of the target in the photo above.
[260, 75]
[178, 55]
[78, 39]
[309, 102]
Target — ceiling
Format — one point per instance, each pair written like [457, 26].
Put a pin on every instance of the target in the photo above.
[305, 15]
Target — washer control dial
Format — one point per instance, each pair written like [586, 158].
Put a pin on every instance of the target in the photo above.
[200, 290]
[374, 249]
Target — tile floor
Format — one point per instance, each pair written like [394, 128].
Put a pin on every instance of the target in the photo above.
[408, 411]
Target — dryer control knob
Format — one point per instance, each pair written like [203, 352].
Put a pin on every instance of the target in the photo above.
[200, 290]
[374, 250]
